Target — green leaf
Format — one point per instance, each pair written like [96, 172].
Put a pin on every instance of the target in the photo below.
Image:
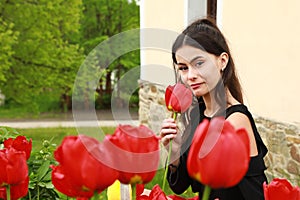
[43, 169]
[49, 185]
[47, 177]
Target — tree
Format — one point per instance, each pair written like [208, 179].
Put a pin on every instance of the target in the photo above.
[7, 39]
[46, 55]
[102, 20]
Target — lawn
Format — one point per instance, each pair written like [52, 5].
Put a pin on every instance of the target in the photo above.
[56, 135]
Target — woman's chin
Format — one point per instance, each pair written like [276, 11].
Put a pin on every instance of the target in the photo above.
[199, 93]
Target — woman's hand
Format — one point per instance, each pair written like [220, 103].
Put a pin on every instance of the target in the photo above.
[168, 132]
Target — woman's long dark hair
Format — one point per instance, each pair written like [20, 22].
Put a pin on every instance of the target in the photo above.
[205, 35]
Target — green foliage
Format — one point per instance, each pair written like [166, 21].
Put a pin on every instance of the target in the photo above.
[46, 56]
[7, 132]
[7, 39]
[102, 20]
[43, 43]
[55, 134]
[40, 184]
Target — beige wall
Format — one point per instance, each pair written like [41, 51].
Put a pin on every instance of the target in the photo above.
[264, 38]
[166, 18]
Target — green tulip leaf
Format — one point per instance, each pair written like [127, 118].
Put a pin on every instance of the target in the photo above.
[42, 171]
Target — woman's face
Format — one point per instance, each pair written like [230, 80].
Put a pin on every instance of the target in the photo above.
[198, 69]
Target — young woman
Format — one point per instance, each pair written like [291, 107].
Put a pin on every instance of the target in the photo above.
[203, 62]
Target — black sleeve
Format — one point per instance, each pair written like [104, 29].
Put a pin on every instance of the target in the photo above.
[252, 187]
[179, 180]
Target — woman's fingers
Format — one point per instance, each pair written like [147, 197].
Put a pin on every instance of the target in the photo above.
[166, 139]
[168, 131]
[169, 123]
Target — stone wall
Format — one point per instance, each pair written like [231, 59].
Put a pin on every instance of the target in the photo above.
[283, 142]
[282, 139]
[152, 109]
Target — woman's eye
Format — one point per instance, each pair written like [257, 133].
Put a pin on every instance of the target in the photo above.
[198, 64]
[183, 68]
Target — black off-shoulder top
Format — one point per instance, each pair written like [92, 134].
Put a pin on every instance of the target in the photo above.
[249, 188]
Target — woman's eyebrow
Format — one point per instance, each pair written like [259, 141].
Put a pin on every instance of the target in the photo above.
[195, 58]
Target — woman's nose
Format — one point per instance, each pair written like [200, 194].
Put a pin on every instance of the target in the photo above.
[192, 73]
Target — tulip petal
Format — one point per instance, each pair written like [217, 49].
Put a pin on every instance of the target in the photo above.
[19, 190]
[178, 98]
[281, 188]
[132, 148]
[157, 194]
[86, 174]
[20, 143]
[217, 143]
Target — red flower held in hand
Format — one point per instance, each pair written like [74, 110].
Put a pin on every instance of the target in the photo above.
[20, 143]
[219, 155]
[178, 98]
[80, 172]
[280, 189]
[136, 153]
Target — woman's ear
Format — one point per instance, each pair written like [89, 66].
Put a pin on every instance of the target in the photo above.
[223, 60]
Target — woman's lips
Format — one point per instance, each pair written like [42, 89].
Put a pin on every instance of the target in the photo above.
[196, 85]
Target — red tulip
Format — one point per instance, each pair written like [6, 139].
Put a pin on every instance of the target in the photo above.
[13, 166]
[178, 98]
[17, 190]
[13, 172]
[139, 188]
[139, 192]
[20, 143]
[63, 183]
[157, 194]
[219, 155]
[136, 153]
[279, 189]
[81, 172]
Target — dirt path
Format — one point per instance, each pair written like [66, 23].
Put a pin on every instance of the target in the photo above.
[83, 119]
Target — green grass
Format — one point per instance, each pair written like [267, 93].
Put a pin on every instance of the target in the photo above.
[19, 113]
[56, 135]
[15, 113]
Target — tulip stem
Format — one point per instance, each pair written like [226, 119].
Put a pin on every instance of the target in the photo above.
[174, 116]
[133, 191]
[38, 193]
[96, 196]
[167, 164]
[8, 192]
[206, 192]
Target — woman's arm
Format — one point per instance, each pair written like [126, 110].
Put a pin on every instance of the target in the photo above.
[240, 120]
[177, 176]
